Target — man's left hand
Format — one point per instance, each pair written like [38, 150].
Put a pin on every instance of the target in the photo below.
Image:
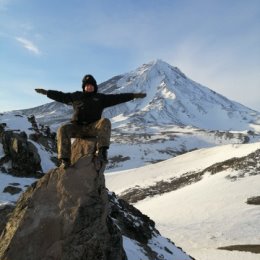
[41, 91]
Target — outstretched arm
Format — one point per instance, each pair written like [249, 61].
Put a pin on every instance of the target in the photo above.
[55, 95]
[114, 99]
[139, 95]
[41, 91]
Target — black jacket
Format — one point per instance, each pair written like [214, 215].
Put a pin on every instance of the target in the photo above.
[88, 107]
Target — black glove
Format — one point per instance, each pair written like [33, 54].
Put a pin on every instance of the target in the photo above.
[41, 91]
[139, 95]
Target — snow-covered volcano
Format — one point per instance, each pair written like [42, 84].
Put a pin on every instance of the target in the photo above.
[176, 116]
[172, 99]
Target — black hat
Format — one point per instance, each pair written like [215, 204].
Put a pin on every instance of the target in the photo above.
[89, 79]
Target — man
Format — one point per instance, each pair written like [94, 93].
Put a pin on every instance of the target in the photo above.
[86, 120]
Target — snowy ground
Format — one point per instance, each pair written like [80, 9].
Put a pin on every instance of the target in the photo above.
[8, 180]
[205, 215]
[200, 217]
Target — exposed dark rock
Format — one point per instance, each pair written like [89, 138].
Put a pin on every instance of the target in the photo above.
[253, 200]
[32, 120]
[2, 128]
[137, 193]
[12, 190]
[115, 160]
[23, 155]
[2, 168]
[141, 229]
[132, 222]
[246, 248]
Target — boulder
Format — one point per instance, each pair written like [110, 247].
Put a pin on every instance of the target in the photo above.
[64, 216]
[253, 200]
[12, 190]
[22, 149]
[24, 157]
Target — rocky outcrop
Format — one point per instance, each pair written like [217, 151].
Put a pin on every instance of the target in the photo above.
[131, 221]
[63, 216]
[21, 156]
[253, 200]
[133, 226]
[137, 227]
[70, 215]
[25, 160]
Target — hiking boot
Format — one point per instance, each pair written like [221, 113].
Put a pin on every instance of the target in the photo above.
[102, 154]
[64, 163]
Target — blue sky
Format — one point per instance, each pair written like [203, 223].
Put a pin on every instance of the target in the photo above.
[52, 44]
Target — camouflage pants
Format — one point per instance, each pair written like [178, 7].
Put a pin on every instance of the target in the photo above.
[101, 129]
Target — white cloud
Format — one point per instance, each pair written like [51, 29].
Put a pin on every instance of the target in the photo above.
[28, 45]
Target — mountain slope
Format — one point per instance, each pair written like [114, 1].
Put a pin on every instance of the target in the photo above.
[211, 210]
[172, 98]
[175, 99]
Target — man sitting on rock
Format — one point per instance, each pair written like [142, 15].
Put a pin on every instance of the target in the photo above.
[86, 121]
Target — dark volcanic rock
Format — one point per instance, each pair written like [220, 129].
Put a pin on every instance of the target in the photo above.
[246, 248]
[132, 222]
[253, 200]
[12, 190]
[141, 229]
[23, 155]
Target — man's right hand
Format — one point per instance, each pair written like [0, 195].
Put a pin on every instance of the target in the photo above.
[139, 95]
[41, 91]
